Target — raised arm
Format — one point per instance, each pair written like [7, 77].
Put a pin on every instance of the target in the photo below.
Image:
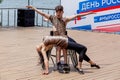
[39, 12]
[79, 15]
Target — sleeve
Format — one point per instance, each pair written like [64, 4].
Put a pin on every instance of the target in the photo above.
[51, 18]
[65, 19]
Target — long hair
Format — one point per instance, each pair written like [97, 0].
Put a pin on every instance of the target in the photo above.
[40, 57]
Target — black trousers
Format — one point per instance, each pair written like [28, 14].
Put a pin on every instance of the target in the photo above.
[79, 48]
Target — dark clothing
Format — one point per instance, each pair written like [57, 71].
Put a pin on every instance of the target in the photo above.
[80, 49]
[70, 39]
[85, 57]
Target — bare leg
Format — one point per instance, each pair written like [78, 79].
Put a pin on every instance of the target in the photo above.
[38, 48]
[58, 54]
[65, 55]
[46, 63]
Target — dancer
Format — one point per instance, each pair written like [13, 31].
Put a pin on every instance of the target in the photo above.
[60, 25]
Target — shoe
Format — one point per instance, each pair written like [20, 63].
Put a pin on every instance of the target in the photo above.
[95, 65]
[66, 68]
[45, 73]
[79, 70]
[58, 65]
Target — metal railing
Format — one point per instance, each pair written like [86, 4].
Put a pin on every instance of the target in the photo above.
[8, 17]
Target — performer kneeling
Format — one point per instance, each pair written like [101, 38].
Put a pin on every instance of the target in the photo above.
[65, 43]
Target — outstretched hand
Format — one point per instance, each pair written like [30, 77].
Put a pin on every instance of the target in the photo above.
[91, 12]
[30, 7]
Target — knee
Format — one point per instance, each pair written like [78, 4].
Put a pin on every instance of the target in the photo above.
[37, 48]
[83, 50]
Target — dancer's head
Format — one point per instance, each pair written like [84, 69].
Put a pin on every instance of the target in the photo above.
[59, 8]
[59, 11]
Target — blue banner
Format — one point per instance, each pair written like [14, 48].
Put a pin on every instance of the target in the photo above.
[107, 17]
[96, 4]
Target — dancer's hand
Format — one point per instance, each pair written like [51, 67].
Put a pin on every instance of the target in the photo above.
[45, 19]
[30, 7]
[91, 12]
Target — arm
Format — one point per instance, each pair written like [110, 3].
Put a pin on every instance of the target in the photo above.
[43, 50]
[79, 15]
[39, 12]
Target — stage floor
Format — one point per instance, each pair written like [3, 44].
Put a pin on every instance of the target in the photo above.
[19, 59]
